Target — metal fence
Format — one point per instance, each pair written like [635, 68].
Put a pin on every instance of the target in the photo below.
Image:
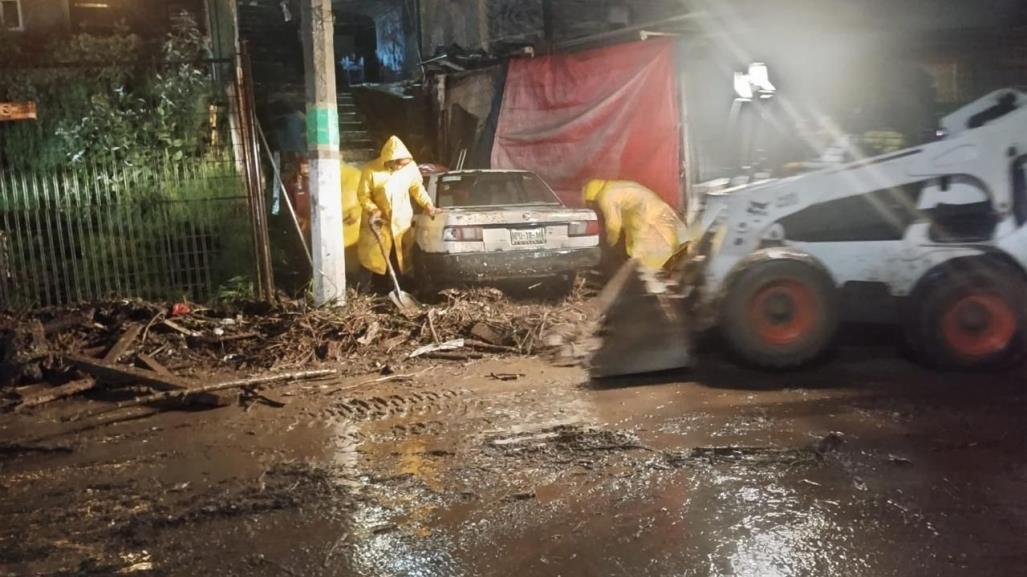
[173, 230]
[171, 226]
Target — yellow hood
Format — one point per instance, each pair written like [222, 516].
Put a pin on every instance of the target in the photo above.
[394, 149]
[593, 188]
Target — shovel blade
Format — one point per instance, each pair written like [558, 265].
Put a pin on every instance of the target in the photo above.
[405, 302]
[644, 328]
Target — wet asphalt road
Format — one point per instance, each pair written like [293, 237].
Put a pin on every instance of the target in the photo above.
[863, 466]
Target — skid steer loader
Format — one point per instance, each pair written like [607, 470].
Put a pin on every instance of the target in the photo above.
[932, 237]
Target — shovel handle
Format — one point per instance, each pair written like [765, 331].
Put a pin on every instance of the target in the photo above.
[388, 261]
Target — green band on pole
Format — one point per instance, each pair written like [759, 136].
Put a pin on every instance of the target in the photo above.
[322, 125]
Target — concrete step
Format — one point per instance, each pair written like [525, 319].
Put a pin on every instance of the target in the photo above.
[359, 155]
[359, 144]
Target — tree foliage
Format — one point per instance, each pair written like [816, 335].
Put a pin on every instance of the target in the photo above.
[109, 98]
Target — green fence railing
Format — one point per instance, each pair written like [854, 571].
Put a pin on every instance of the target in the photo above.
[173, 229]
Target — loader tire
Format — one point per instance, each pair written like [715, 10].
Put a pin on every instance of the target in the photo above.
[780, 314]
[969, 317]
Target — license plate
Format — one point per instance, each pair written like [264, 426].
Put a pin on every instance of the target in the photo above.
[530, 236]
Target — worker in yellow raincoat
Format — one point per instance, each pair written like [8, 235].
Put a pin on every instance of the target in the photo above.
[386, 188]
[351, 209]
[650, 229]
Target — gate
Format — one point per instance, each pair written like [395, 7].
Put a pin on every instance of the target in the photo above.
[180, 217]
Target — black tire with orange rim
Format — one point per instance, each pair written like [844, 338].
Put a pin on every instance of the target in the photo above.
[780, 314]
[969, 316]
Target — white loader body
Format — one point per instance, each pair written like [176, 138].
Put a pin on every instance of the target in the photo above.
[870, 221]
[932, 238]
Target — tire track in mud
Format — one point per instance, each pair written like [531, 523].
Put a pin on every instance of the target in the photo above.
[385, 418]
[402, 405]
[352, 438]
[451, 417]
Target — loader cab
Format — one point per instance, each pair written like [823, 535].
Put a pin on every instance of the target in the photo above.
[958, 209]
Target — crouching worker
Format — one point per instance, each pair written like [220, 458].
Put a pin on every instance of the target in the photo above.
[638, 224]
[387, 186]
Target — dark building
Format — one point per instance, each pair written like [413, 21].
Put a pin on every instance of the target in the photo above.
[34, 19]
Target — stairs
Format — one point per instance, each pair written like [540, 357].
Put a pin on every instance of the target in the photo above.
[355, 142]
[276, 56]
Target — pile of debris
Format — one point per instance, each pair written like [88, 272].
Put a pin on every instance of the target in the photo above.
[368, 332]
[59, 353]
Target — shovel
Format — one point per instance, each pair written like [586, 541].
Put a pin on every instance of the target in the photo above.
[405, 302]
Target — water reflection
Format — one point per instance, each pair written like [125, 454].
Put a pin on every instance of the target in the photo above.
[777, 531]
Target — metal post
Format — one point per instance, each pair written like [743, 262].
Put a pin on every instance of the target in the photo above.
[251, 174]
[261, 197]
[323, 149]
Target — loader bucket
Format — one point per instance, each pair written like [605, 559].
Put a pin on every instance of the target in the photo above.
[643, 327]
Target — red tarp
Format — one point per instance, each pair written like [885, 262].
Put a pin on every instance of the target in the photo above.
[609, 113]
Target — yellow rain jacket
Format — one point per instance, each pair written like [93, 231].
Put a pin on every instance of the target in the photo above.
[650, 227]
[351, 209]
[390, 192]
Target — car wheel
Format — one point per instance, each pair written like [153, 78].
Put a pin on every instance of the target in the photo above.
[780, 314]
[970, 318]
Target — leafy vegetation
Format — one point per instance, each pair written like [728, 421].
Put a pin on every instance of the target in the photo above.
[108, 98]
[126, 185]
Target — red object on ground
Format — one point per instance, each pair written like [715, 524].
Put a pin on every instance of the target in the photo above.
[610, 113]
[180, 309]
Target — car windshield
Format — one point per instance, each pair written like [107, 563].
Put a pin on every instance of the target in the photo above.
[492, 189]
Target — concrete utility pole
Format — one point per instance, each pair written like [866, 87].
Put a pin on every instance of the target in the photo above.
[323, 148]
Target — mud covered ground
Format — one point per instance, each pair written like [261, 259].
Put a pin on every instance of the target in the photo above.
[863, 466]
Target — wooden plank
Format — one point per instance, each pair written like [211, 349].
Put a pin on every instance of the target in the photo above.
[489, 347]
[445, 356]
[180, 395]
[180, 329]
[111, 373]
[17, 111]
[124, 341]
[215, 340]
[152, 364]
[31, 390]
[43, 397]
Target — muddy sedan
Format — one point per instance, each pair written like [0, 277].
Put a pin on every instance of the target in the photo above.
[499, 226]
